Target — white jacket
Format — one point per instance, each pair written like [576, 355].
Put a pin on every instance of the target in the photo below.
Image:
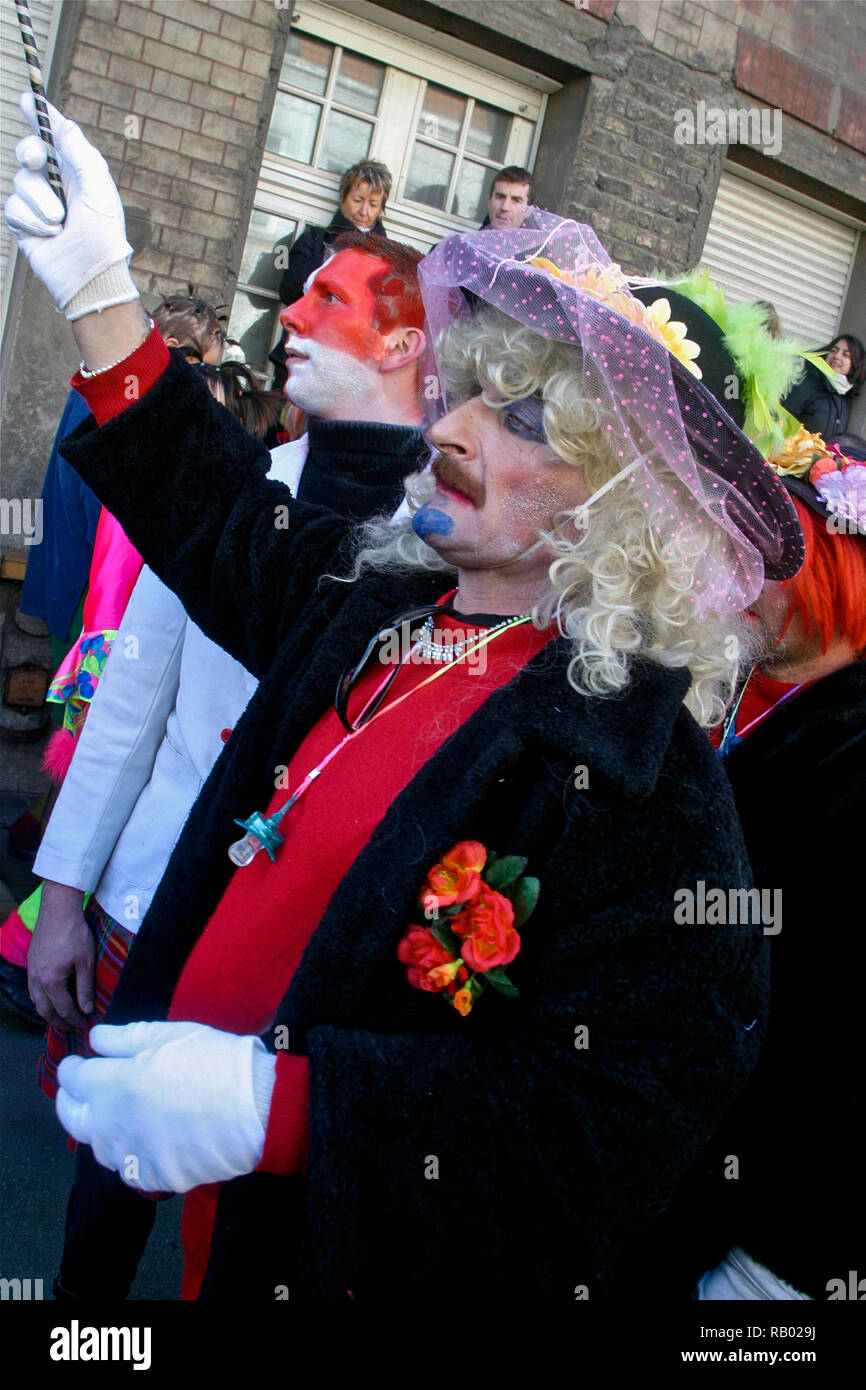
[166, 702]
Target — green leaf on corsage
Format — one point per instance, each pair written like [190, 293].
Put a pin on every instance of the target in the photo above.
[446, 938]
[500, 981]
[524, 896]
[504, 872]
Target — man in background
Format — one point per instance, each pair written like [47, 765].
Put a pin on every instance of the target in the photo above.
[512, 194]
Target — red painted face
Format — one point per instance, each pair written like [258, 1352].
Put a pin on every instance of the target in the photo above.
[339, 308]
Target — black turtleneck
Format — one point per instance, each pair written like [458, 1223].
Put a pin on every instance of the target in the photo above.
[356, 468]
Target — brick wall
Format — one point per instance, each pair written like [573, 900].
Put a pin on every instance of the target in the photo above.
[808, 58]
[643, 60]
[647, 197]
[177, 96]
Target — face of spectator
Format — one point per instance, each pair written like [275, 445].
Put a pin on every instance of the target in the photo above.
[508, 204]
[332, 347]
[363, 205]
[498, 483]
[787, 639]
[839, 357]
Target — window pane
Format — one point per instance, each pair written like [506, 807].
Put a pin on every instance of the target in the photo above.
[441, 115]
[429, 172]
[254, 324]
[470, 195]
[488, 132]
[293, 127]
[346, 141]
[359, 83]
[307, 63]
[266, 252]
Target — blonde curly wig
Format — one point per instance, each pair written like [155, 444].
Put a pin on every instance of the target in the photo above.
[616, 591]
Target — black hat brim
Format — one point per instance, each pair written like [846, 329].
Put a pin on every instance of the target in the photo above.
[753, 479]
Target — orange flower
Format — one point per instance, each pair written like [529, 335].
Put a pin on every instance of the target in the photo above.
[457, 876]
[486, 931]
[423, 954]
[463, 1001]
[442, 975]
[798, 454]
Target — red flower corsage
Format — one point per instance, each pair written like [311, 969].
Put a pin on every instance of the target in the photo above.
[474, 918]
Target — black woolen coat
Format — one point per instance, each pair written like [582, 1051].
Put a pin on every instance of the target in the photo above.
[817, 406]
[551, 1158]
[794, 1201]
[796, 1206]
[799, 783]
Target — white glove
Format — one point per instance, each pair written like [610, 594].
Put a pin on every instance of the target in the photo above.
[68, 255]
[167, 1105]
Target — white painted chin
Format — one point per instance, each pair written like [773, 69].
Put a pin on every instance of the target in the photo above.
[328, 380]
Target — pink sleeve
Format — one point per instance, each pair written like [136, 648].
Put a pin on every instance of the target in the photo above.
[114, 568]
[287, 1134]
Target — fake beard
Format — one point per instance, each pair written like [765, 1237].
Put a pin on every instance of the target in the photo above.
[330, 381]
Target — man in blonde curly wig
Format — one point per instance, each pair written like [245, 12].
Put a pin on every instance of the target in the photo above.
[465, 1015]
[598, 570]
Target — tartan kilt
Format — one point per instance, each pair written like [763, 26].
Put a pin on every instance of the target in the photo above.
[113, 943]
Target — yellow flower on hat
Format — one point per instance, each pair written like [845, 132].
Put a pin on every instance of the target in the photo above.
[672, 333]
[542, 263]
[607, 285]
[798, 454]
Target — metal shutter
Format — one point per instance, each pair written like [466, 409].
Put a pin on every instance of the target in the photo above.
[13, 70]
[762, 245]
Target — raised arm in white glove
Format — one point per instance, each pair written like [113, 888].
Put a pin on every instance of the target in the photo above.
[169, 1105]
[84, 261]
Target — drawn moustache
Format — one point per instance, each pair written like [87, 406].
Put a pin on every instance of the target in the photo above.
[446, 471]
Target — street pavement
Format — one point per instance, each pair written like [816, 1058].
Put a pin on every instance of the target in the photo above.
[36, 1171]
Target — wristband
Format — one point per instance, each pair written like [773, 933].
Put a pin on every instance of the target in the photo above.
[112, 286]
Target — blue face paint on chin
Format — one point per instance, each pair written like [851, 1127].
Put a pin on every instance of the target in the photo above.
[430, 521]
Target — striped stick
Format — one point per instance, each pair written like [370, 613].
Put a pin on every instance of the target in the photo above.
[28, 38]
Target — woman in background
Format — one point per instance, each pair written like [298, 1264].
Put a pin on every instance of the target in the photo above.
[822, 405]
[363, 194]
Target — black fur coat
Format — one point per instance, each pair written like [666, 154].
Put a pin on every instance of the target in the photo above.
[551, 1158]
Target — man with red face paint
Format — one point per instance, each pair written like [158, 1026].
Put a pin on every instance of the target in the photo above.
[163, 720]
[353, 342]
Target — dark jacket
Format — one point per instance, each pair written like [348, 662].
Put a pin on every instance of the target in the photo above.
[551, 1158]
[58, 570]
[308, 253]
[796, 1206]
[817, 406]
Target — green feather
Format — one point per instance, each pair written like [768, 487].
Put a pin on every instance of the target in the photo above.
[701, 290]
[766, 367]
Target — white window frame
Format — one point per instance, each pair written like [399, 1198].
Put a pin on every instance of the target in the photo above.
[410, 65]
[326, 104]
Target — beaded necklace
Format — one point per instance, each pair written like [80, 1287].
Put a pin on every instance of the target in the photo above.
[453, 651]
